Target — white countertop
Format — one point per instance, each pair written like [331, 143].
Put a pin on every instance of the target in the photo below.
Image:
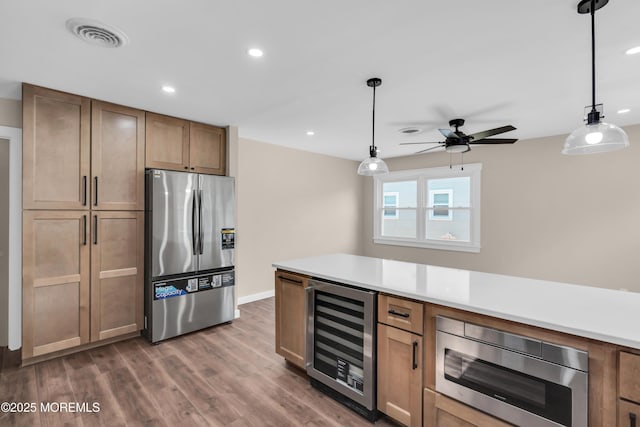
[590, 312]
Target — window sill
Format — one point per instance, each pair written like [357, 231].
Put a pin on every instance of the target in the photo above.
[447, 246]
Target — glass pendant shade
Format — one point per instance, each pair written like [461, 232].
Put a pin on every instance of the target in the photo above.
[596, 138]
[373, 166]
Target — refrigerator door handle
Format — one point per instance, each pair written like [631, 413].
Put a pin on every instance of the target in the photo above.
[200, 230]
[193, 222]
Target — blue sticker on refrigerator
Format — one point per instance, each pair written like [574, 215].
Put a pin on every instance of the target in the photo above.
[179, 287]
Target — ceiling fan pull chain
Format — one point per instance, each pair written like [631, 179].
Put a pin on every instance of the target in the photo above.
[450, 166]
[461, 161]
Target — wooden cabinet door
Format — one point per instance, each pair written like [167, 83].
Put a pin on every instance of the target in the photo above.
[628, 414]
[55, 287]
[290, 321]
[167, 142]
[207, 149]
[56, 144]
[117, 278]
[400, 375]
[117, 157]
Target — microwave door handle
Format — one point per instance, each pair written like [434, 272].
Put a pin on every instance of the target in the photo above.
[193, 221]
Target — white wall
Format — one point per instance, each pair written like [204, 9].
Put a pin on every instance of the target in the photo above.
[292, 204]
[545, 215]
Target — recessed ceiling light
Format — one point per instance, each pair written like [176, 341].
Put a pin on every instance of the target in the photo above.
[310, 133]
[623, 111]
[255, 52]
[633, 50]
[168, 89]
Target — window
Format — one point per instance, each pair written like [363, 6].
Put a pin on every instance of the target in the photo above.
[390, 200]
[435, 208]
[440, 202]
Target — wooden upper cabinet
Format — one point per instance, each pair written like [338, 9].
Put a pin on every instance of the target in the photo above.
[180, 145]
[117, 157]
[117, 278]
[56, 149]
[167, 142]
[207, 149]
[55, 281]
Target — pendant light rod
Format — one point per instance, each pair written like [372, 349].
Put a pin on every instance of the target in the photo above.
[593, 55]
[590, 7]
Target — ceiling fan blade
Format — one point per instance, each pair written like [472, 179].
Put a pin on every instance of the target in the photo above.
[413, 143]
[429, 149]
[484, 134]
[494, 141]
[448, 133]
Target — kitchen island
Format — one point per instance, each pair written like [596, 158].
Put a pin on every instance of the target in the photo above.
[603, 322]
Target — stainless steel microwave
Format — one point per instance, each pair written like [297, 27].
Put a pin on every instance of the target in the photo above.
[524, 381]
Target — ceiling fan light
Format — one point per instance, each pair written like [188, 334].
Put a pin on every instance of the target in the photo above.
[595, 138]
[373, 166]
[457, 148]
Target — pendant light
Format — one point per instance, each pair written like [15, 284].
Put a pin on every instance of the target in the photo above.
[373, 165]
[596, 136]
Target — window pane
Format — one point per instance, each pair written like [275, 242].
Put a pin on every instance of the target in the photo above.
[390, 200]
[407, 192]
[458, 228]
[439, 191]
[404, 225]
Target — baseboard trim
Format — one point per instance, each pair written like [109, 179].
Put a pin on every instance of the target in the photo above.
[256, 297]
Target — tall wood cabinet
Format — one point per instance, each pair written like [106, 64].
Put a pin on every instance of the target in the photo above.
[177, 144]
[55, 298]
[290, 321]
[83, 202]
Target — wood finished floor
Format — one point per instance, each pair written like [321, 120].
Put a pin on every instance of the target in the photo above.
[228, 375]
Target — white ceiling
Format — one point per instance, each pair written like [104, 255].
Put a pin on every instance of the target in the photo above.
[493, 62]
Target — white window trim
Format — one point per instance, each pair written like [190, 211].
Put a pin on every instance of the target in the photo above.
[431, 206]
[421, 176]
[395, 207]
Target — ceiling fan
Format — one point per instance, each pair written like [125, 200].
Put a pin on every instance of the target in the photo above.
[458, 142]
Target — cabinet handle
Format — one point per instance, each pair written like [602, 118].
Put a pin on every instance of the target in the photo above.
[84, 230]
[415, 354]
[397, 313]
[632, 419]
[95, 229]
[84, 190]
[95, 197]
[286, 279]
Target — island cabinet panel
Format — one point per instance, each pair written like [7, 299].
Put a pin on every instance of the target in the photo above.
[290, 317]
[400, 359]
[56, 149]
[401, 313]
[441, 411]
[400, 375]
[629, 389]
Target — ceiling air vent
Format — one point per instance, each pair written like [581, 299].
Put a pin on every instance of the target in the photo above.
[97, 33]
[410, 130]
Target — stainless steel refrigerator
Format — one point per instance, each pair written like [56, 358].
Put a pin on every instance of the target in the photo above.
[190, 239]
